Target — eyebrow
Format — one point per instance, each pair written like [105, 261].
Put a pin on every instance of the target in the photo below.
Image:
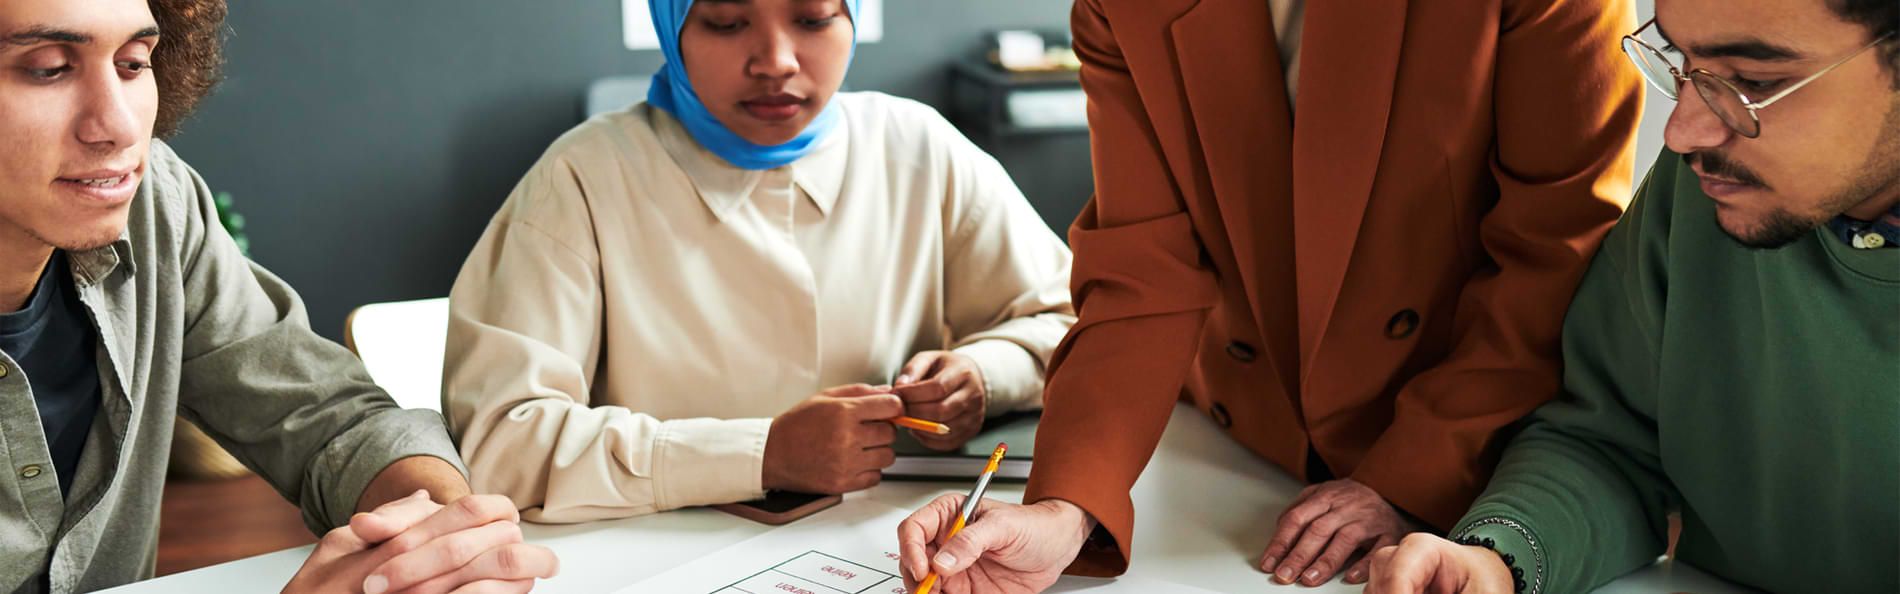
[44, 34]
[1747, 48]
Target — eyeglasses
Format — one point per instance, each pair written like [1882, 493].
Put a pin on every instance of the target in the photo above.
[1727, 101]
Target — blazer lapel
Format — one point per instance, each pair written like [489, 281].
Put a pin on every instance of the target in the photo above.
[1237, 97]
[1349, 57]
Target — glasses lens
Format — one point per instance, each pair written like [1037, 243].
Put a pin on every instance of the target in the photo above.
[1653, 66]
[1726, 102]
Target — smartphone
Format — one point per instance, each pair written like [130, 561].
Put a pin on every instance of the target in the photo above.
[780, 507]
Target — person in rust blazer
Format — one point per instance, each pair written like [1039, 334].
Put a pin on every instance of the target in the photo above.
[1364, 285]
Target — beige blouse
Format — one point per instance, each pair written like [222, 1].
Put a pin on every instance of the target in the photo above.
[640, 309]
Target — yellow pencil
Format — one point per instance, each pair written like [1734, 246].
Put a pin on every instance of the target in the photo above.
[921, 425]
[969, 507]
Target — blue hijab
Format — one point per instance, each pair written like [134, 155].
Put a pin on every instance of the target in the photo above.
[673, 92]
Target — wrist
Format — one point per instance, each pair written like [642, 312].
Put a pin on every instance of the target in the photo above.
[1071, 515]
[408, 475]
[769, 477]
[772, 481]
[1491, 565]
[779, 459]
[1517, 547]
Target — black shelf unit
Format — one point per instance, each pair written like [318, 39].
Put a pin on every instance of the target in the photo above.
[979, 95]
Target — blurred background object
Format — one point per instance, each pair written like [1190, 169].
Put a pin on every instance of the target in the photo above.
[196, 457]
[1019, 50]
[370, 145]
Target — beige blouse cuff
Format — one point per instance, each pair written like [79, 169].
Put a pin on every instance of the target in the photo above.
[1012, 376]
[709, 461]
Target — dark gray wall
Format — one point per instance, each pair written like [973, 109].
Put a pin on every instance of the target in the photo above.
[367, 144]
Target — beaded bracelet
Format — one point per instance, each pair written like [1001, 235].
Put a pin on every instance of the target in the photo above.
[1510, 561]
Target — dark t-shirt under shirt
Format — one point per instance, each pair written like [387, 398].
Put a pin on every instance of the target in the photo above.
[54, 344]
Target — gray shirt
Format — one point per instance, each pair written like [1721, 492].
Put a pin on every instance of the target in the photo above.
[188, 326]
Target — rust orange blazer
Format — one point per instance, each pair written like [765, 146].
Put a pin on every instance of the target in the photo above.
[1378, 276]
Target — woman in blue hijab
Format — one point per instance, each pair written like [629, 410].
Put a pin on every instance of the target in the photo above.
[756, 138]
[739, 284]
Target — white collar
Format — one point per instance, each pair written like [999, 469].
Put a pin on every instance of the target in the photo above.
[722, 186]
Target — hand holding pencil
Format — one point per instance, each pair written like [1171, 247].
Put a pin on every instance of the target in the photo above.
[969, 507]
[948, 389]
[839, 440]
[959, 544]
[835, 441]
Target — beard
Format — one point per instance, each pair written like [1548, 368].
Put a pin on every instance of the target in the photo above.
[80, 242]
[1778, 228]
[1877, 177]
[1776, 231]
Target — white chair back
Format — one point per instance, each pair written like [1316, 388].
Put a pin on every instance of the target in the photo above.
[401, 343]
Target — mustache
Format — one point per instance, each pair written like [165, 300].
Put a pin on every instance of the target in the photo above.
[1717, 165]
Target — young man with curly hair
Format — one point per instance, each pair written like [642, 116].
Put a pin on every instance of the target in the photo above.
[123, 303]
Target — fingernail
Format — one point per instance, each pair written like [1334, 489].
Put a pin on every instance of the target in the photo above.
[1268, 563]
[375, 584]
[1285, 575]
[946, 560]
[1352, 576]
[1312, 576]
[903, 379]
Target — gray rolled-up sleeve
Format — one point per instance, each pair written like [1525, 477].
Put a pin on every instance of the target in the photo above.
[296, 408]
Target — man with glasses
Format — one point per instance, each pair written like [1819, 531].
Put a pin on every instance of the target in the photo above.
[1751, 386]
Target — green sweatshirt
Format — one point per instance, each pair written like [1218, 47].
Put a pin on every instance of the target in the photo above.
[1755, 391]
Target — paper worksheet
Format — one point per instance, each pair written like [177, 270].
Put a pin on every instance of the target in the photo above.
[848, 549]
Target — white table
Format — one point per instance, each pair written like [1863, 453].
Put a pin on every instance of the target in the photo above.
[1205, 509]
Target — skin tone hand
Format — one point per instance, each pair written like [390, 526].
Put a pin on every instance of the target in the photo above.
[1328, 524]
[417, 545]
[948, 388]
[413, 543]
[1427, 564]
[1004, 549]
[833, 442]
[408, 475]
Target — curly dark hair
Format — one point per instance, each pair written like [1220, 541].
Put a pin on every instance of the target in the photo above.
[189, 60]
[1881, 17]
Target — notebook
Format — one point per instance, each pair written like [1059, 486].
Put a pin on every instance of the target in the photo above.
[916, 462]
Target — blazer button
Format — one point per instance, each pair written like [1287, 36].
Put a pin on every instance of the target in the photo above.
[1402, 325]
[29, 471]
[1221, 417]
[1240, 351]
